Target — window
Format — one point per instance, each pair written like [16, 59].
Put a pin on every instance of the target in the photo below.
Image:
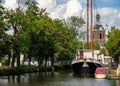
[100, 36]
[93, 36]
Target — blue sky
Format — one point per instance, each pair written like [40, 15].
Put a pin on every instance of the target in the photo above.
[108, 3]
[61, 9]
[99, 3]
[108, 9]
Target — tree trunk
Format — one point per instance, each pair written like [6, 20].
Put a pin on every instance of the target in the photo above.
[13, 59]
[25, 56]
[52, 59]
[39, 64]
[29, 57]
[9, 57]
[45, 62]
[119, 60]
[46, 59]
[18, 58]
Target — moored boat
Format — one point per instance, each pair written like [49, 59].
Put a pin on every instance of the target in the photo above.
[100, 73]
[84, 64]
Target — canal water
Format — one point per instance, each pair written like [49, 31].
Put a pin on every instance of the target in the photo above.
[54, 79]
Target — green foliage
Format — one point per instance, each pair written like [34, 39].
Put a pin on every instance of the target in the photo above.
[65, 55]
[86, 45]
[96, 46]
[17, 70]
[37, 35]
[4, 62]
[5, 43]
[113, 43]
[103, 51]
[75, 22]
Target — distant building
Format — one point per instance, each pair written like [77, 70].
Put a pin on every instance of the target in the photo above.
[98, 32]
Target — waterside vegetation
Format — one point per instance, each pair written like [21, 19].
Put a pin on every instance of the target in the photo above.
[37, 35]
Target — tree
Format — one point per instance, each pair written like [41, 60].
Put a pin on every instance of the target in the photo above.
[77, 23]
[24, 24]
[5, 44]
[37, 35]
[103, 51]
[95, 46]
[36, 29]
[113, 43]
[15, 22]
[66, 41]
[2, 31]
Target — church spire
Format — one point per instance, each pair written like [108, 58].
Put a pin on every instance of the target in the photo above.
[97, 17]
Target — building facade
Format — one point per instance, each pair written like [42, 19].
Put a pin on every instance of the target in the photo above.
[98, 32]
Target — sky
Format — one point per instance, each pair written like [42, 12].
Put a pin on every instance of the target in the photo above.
[109, 10]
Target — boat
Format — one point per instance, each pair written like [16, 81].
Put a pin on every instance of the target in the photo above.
[100, 73]
[85, 62]
[85, 66]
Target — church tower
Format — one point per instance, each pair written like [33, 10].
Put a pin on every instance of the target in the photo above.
[98, 32]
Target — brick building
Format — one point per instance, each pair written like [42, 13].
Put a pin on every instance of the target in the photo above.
[98, 32]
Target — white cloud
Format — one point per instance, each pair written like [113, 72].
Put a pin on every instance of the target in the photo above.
[109, 16]
[10, 4]
[58, 12]
[50, 5]
[73, 8]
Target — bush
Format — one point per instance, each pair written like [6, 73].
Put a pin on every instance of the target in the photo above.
[4, 62]
[32, 69]
[17, 70]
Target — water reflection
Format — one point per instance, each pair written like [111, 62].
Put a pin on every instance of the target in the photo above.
[15, 79]
[54, 79]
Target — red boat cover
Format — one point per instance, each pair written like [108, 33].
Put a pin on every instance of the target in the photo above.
[101, 70]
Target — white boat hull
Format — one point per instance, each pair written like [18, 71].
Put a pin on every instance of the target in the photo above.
[100, 76]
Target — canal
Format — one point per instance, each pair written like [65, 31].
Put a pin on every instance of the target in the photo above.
[54, 79]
